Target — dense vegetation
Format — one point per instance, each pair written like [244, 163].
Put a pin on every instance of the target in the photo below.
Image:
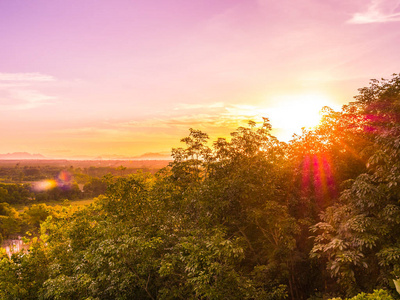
[21, 171]
[17, 183]
[245, 218]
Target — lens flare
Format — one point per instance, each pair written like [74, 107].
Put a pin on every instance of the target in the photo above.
[318, 178]
[44, 185]
[63, 181]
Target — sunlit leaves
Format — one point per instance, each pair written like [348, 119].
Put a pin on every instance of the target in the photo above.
[366, 221]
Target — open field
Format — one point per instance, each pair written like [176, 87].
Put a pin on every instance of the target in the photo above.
[80, 202]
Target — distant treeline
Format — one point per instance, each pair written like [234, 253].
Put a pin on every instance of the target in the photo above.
[17, 182]
[14, 193]
[33, 170]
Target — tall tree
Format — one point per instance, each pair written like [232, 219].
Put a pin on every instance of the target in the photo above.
[359, 236]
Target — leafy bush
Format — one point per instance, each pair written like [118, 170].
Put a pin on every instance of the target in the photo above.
[376, 295]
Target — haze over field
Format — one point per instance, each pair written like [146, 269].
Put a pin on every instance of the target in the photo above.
[105, 78]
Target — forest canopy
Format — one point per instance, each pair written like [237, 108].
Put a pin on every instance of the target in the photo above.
[248, 217]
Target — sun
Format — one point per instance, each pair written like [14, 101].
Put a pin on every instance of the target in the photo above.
[290, 113]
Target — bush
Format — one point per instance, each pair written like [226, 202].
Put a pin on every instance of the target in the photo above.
[376, 295]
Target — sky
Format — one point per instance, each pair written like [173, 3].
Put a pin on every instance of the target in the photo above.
[99, 78]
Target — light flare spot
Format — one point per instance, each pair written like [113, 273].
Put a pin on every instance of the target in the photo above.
[63, 180]
[44, 185]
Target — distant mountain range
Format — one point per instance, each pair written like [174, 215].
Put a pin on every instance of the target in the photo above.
[21, 155]
[155, 156]
[146, 156]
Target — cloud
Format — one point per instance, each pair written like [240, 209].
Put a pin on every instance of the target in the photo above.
[92, 132]
[24, 99]
[212, 118]
[221, 110]
[18, 91]
[189, 106]
[378, 11]
[25, 77]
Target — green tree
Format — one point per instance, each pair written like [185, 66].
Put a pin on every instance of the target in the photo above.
[34, 215]
[359, 236]
[22, 276]
[239, 183]
[95, 187]
[10, 222]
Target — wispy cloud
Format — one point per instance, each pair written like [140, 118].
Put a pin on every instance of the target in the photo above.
[19, 91]
[25, 99]
[25, 77]
[214, 118]
[378, 11]
[91, 131]
[189, 106]
[213, 115]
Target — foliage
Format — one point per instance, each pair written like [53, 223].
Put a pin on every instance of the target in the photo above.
[226, 220]
[34, 215]
[22, 276]
[10, 221]
[15, 193]
[128, 243]
[376, 295]
[359, 235]
[95, 187]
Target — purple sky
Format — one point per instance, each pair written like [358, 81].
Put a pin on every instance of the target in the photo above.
[100, 78]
